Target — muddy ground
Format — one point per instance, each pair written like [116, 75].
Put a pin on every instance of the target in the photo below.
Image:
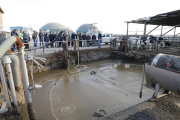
[164, 108]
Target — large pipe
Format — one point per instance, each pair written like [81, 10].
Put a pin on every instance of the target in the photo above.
[25, 75]
[7, 61]
[30, 108]
[4, 84]
[15, 65]
[7, 44]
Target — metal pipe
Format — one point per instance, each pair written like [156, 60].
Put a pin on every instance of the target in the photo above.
[4, 84]
[161, 30]
[25, 75]
[7, 61]
[140, 93]
[16, 70]
[6, 45]
[153, 29]
[144, 28]
[126, 39]
[174, 33]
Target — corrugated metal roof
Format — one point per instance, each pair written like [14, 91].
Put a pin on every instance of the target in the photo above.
[165, 19]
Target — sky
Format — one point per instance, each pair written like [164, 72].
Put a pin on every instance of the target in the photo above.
[109, 14]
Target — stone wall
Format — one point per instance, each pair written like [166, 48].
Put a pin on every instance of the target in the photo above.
[55, 60]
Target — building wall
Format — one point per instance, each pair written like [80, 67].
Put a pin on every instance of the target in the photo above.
[1, 21]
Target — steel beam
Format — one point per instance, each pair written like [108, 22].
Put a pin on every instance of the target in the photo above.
[169, 31]
[153, 30]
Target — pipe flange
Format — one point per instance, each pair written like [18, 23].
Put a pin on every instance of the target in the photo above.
[6, 59]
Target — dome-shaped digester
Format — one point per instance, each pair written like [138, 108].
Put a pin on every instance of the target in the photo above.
[88, 28]
[54, 27]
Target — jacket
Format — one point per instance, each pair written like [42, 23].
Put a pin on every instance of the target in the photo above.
[26, 37]
[84, 37]
[46, 38]
[14, 34]
[41, 35]
[51, 37]
[73, 36]
[80, 37]
[21, 36]
[94, 37]
[61, 37]
[99, 36]
[34, 36]
[88, 37]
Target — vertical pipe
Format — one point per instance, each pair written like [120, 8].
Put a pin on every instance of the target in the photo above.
[30, 108]
[140, 94]
[78, 50]
[4, 84]
[161, 30]
[174, 33]
[25, 75]
[8, 67]
[144, 28]
[126, 39]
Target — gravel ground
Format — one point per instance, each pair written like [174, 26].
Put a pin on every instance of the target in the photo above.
[164, 108]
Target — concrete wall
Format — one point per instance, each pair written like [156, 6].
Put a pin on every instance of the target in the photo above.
[55, 60]
[1, 20]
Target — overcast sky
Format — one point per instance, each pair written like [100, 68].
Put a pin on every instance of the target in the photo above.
[109, 14]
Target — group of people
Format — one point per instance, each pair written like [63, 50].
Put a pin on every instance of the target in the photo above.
[49, 37]
[23, 35]
[87, 39]
[45, 38]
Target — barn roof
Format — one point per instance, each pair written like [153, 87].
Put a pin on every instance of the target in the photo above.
[1, 10]
[166, 19]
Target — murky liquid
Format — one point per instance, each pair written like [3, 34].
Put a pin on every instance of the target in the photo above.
[75, 94]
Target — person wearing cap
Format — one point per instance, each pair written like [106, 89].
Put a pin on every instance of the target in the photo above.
[26, 39]
[34, 36]
[84, 39]
[21, 35]
[14, 33]
[41, 37]
[99, 39]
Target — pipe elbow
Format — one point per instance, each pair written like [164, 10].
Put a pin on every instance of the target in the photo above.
[19, 43]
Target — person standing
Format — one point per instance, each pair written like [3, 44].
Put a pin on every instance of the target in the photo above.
[60, 40]
[80, 39]
[99, 39]
[46, 39]
[14, 33]
[94, 39]
[21, 35]
[88, 38]
[41, 37]
[34, 37]
[51, 38]
[57, 40]
[84, 39]
[73, 37]
[26, 39]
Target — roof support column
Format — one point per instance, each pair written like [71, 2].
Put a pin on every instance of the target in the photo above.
[144, 28]
[174, 33]
[161, 30]
[126, 38]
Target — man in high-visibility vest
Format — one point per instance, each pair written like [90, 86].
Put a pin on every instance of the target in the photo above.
[21, 35]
